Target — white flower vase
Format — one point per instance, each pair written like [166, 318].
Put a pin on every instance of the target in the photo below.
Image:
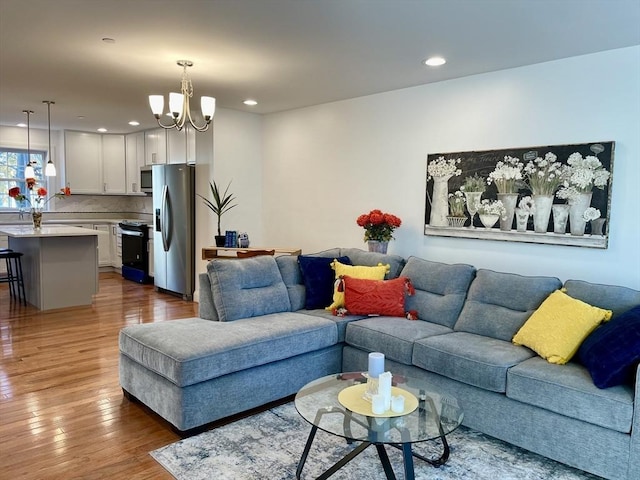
[473, 200]
[542, 212]
[509, 201]
[560, 217]
[440, 202]
[577, 207]
[488, 220]
[522, 218]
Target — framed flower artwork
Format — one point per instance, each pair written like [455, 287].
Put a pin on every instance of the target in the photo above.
[556, 194]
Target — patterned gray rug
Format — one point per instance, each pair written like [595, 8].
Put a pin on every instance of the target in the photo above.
[267, 446]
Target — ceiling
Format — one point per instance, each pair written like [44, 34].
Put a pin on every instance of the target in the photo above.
[283, 53]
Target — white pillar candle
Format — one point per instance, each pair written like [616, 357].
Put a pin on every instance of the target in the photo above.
[377, 404]
[384, 388]
[376, 364]
[397, 404]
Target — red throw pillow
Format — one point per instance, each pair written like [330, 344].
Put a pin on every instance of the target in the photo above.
[375, 297]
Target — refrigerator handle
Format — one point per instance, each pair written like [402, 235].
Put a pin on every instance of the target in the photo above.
[163, 211]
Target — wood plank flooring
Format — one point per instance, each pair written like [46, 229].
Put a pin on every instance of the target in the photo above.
[62, 412]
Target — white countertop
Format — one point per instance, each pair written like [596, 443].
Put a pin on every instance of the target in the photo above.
[24, 231]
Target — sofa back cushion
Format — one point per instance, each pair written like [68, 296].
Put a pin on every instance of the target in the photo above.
[371, 259]
[498, 303]
[292, 276]
[440, 289]
[610, 297]
[247, 288]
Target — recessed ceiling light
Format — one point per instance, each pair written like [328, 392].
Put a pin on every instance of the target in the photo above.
[435, 61]
[102, 130]
[133, 123]
[250, 102]
[22, 125]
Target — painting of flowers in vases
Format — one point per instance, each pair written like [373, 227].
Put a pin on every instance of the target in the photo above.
[557, 194]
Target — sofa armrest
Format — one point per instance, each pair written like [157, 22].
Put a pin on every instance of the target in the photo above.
[206, 308]
[634, 447]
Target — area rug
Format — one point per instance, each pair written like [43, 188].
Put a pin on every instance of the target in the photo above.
[267, 446]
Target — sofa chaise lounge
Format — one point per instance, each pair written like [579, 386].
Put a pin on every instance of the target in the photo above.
[254, 342]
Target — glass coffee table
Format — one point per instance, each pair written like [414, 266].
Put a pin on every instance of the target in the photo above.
[435, 416]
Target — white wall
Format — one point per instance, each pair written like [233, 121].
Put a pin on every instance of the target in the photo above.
[325, 165]
[237, 157]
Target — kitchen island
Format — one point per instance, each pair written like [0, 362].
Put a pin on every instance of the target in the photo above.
[60, 264]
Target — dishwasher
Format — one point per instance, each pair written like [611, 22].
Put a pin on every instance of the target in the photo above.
[135, 255]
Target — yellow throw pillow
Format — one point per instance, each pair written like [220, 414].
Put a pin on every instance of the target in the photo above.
[356, 271]
[558, 327]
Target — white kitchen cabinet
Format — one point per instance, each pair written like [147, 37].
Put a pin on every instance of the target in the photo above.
[94, 163]
[113, 164]
[83, 162]
[181, 145]
[134, 160]
[104, 245]
[116, 246]
[155, 146]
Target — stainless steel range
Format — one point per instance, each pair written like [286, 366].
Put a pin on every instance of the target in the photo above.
[135, 255]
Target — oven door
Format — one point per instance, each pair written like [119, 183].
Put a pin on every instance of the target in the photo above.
[134, 250]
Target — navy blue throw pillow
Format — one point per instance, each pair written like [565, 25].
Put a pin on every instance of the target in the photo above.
[612, 352]
[318, 277]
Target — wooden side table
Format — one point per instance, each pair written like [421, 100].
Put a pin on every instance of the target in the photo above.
[209, 253]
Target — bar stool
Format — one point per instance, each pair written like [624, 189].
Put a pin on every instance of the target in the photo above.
[14, 275]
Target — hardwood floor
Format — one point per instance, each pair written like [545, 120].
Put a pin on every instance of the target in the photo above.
[62, 412]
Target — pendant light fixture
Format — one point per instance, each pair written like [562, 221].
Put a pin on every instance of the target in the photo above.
[179, 104]
[50, 169]
[29, 172]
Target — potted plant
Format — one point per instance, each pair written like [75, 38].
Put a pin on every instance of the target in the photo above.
[220, 205]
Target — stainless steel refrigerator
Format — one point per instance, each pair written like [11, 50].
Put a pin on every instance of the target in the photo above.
[174, 228]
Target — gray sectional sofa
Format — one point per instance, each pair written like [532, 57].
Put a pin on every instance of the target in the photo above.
[254, 342]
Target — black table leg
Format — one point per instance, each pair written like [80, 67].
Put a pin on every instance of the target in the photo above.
[407, 456]
[386, 464]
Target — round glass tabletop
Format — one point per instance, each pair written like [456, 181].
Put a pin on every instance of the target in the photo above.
[436, 415]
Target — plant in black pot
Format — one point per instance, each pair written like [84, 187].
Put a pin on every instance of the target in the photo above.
[221, 204]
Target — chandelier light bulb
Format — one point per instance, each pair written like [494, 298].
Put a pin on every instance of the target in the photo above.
[156, 102]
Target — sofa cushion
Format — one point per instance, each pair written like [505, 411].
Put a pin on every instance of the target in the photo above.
[472, 359]
[498, 304]
[193, 350]
[318, 278]
[375, 297]
[371, 259]
[568, 390]
[392, 336]
[292, 278]
[340, 321]
[611, 297]
[440, 289]
[558, 327]
[376, 272]
[247, 288]
[612, 352]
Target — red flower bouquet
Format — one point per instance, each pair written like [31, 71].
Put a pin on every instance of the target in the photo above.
[378, 225]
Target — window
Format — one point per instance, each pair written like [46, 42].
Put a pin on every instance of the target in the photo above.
[12, 164]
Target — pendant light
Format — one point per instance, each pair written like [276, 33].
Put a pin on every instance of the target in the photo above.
[29, 172]
[50, 169]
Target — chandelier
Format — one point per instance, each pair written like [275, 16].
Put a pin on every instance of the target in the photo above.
[179, 108]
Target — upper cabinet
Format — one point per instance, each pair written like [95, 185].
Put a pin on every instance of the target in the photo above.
[135, 160]
[155, 146]
[95, 163]
[181, 145]
[113, 164]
